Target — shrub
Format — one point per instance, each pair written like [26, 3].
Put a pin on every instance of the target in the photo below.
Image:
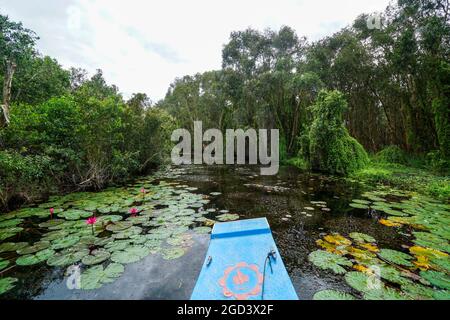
[391, 154]
[331, 148]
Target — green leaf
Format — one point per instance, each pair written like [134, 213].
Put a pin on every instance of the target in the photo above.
[130, 254]
[329, 261]
[7, 284]
[95, 277]
[438, 279]
[332, 295]
[96, 257]
[396, 257]
[361, 237]
[32, 259]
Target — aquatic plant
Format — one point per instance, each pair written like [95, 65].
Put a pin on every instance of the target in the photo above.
[332, 295]
[329, 261]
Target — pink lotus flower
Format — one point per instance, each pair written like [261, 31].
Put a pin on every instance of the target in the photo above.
[51, 213]
[92, 220]
[133, 211]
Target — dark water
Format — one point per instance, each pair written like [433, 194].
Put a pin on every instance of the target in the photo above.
[155, 278]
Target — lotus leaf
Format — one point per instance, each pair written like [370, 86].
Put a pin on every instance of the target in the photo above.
[65, 242]
[7, 284]
[127, 233]
[358, 205]
[10, 223]
[67, 257]
[130, 254]
[38, 257]
[436, 278]
[227, 217]
[3, 263]
[332, 295]
[396, 257]
[202, 230]
[329, 261]
[96, 257]
[337, 239]
[38, 246]
[95, 277]
[12, 246]
[172, 253]
[119, 226]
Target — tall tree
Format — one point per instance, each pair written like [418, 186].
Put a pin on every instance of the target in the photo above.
[16, 44]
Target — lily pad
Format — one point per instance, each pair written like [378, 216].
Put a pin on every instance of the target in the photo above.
[227, 217]
[172, 253]
[65, 242]
[332, 295]
[438, 279]
[396, 257]
[95, 277]
[12, 246]
[96, 257]
[119, 226]
[67, 257]
[38, 246]
[329, 261]
[130, 254]
[7, 284]
[32, 259]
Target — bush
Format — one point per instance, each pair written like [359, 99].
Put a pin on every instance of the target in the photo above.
[331, 148]
[23, 177]
[391, 154]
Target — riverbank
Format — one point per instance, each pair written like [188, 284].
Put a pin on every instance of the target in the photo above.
[404, 177]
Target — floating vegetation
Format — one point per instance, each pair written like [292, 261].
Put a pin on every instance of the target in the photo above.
[361, 237]
[95, 277]
[7, 284]
[227, 217]
[396, 257]
[331, 261]
[332, 295]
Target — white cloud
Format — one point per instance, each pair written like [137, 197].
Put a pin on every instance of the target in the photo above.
[143, 45]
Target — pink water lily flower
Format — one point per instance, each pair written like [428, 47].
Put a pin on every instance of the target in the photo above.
[133, 211]
[52, 210]
[143, 190]
[92, 220]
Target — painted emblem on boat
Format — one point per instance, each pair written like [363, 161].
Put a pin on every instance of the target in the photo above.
[241, 281]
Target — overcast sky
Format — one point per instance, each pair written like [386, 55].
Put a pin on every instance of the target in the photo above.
[142, 46]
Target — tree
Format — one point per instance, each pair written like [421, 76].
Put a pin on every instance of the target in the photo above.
[16, 44]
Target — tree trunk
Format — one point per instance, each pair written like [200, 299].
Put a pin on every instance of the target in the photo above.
[10, 69]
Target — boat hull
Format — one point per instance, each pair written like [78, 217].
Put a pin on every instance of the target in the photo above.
[243, 263]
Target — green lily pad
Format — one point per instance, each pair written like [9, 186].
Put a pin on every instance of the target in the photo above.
[130, 254]
[67, 257]
[7, 284]
[119, 226]
[332, 295]
[95, 277]
[10, 223]
[12, 246]
[127, 233]
[65, 242]
[32, 259]
[3, 263]
[361, 237]
[96, 257]
[396, 257]
[38, 246]
[202, 230]
[172, 253]
[227, 217]
[438, 279]
[329, 261]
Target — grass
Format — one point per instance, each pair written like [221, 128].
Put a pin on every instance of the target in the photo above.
[405, 177]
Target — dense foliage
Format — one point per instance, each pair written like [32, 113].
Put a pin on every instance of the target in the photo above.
[395, 80]
[65, 131]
